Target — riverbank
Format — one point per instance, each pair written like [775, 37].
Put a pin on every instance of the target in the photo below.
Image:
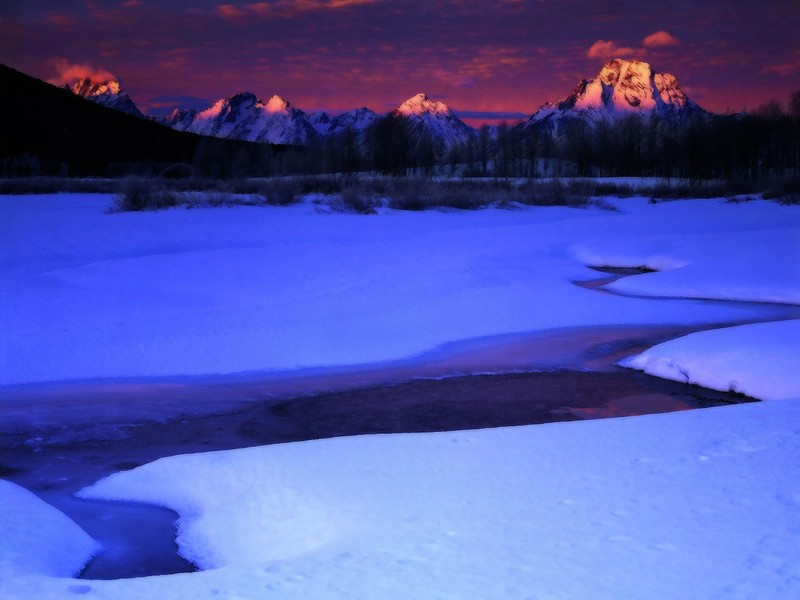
[68, 437]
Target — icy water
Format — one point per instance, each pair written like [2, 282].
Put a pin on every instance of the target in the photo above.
[562, 376]
[138, 539]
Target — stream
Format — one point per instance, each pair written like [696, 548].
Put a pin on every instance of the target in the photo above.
[561, 375]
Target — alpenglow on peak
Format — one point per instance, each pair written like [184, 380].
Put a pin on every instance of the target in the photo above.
[106, 93]
[621, 87]
[421, 104]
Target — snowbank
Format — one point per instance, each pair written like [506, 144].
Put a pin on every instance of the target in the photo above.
[702, 502]
[759, 360]
[36, 538]
[197, 292]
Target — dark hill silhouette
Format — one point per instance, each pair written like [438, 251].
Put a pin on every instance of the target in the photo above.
[50, 130]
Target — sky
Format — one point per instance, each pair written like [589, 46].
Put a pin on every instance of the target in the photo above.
[488, 60]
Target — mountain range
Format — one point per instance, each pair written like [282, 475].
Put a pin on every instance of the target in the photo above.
[51, 130]
[622, 87]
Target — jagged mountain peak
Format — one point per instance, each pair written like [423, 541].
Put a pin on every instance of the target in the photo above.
[106, 92]
[621, 87]
[87, 87]
[276, 104]
[244, 116]
[420, 104]
[435, 119]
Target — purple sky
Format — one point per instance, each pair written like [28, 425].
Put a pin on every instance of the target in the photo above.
[486, 59]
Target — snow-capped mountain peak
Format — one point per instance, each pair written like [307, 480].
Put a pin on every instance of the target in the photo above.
[244, 116]
[356, 120]
[321, 121]
[421, 104]
[106, 93]
[435, 119]
[621, 87]
[86, 87]
[276, 104]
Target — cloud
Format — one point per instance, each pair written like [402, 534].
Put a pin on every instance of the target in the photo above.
[454, 79]
[229, 11]
[606, 49]
[67, 72]
[784, 69]
[58, 19]
[660, 39]
[283, 8]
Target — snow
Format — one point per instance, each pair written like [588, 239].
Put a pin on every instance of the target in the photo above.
[35, 538]
[357, 120]
[420, 104]
[760, 360]
[621, 87]
[645, 507]
[701, 504]
[436, 118]
[195, 292]
[276, 104]
[246, 117]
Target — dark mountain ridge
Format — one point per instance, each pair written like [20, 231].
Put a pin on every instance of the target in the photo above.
[51, 130]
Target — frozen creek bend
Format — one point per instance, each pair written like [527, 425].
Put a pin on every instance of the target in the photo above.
[58, 439]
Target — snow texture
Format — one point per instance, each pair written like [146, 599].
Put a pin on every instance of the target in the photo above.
[356, 120]
[435, 119]
[760, 360]
[246, 117]
[618, 508]
[35, 538]
[622, 87]
[195, 292]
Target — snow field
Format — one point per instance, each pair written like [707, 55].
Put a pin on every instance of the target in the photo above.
[196, 292]
[700, 504]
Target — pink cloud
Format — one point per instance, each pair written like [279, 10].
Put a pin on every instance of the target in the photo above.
[59, 19]
[67, 72]
[284, 7]
[229, 11]
[606, 49]
[659, 39]
[784, 69]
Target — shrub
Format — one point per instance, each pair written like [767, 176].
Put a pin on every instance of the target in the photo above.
[177, 171]
[281, 191]
[143, 194]
[357, 197]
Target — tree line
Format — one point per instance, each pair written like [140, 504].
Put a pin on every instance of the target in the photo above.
[49, 131]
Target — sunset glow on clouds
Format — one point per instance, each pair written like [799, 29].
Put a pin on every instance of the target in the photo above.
[659, 39]
[486, 58]
[605, 49]
[67, 72]
[282, 8]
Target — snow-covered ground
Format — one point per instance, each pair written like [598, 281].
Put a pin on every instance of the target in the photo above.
[192, 292]
[699, 504]
[761, 360]
[37, 538]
